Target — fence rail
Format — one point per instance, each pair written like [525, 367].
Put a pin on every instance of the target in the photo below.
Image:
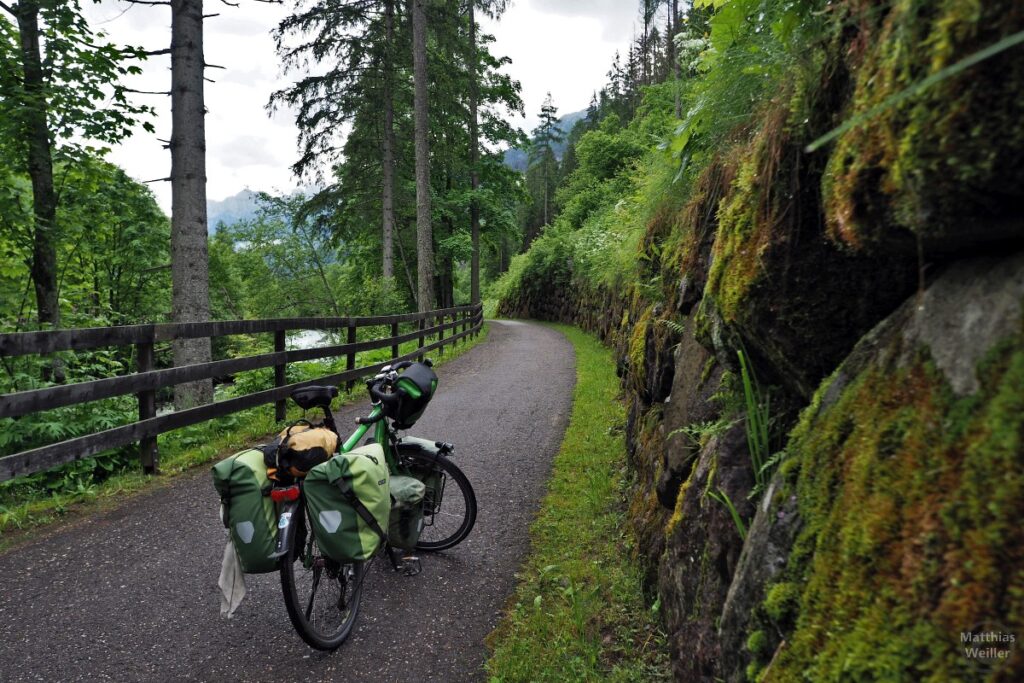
[146, 380]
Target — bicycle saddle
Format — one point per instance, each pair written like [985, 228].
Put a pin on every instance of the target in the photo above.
[314, 397]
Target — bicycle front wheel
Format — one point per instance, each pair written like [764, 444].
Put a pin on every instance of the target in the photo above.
[322, 596]
[450, 505]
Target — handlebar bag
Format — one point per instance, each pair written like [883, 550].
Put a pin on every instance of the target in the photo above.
[298, 449]
[406, 511]
[249, 514]
[414, 388]
[339, 527]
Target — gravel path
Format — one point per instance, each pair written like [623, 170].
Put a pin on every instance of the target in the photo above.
[132, 595]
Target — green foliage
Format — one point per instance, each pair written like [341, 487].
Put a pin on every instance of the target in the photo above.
[39, 429]
[722, 497]
[112, 243]
[83, 96]
[758, 425]
[578, 611]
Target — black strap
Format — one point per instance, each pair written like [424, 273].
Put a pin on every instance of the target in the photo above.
[349, 495]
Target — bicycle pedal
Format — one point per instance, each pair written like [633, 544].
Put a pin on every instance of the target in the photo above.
[411, 566]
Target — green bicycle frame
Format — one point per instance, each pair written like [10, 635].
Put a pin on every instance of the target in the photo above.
[380, 434]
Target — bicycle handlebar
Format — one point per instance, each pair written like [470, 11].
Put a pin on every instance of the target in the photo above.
[375, 384]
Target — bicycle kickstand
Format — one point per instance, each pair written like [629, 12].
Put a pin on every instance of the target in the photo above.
[409, 565]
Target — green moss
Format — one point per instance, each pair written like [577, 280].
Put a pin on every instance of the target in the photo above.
[911, 500]
[705, 373]
[677, 514]
[757, 643]
[936, 162]
[782, 602]
[746, 216]
[637, 347]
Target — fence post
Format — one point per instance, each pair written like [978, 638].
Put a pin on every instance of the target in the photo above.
[423, 326]
[351, 362]
[149, 454]
[465, 326]
[440, 333]
[280, 376]
[394, 333]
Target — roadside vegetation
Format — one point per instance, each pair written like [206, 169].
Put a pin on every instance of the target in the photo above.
[579, 612]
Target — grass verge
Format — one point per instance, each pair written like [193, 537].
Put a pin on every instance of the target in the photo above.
[578, 613]
[180, 451]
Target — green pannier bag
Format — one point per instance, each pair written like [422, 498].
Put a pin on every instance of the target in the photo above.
[342, 534]
[249, 514]
[430, 476]
[406, 511]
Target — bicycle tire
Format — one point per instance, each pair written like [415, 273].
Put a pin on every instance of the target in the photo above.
[455, 516]
[321, 619]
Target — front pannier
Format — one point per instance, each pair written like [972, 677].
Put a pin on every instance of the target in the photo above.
[334, 491]
[414, 387]
[406, 511]
[249, 514]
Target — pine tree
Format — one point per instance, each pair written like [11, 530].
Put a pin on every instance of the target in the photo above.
[190, 297]
[542, 173]
[424, 228]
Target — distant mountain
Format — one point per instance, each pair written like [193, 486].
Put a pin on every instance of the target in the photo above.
[518, 158]
[237, 207]
[242, 207]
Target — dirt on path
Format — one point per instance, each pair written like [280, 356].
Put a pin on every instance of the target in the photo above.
[131, 594]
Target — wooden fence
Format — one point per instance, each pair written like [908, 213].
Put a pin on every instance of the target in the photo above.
[147, 380]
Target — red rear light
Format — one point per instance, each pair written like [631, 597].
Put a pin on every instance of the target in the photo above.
[284, 495]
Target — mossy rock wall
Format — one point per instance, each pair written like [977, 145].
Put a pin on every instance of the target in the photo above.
[909, 480]
[849, 278]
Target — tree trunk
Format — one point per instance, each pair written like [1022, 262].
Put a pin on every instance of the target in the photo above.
[424, 233]
[405, 264]
[474, 162]
[673, 26]
[40, 168]
[190, 297]
[388, 147]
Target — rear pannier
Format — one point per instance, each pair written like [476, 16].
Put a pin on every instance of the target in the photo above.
[249, 514]
[414, 387]
[336, 490]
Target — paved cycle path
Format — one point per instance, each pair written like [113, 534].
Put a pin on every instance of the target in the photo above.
[131, 594]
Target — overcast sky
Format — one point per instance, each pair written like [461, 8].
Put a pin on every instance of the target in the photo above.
[562, 46]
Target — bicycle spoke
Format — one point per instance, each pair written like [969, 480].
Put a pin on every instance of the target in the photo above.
[312, 592]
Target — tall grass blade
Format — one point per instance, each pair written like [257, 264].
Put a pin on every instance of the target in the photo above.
[723, 498]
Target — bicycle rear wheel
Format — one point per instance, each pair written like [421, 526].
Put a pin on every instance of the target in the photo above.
[450, 506]
[322, 596]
